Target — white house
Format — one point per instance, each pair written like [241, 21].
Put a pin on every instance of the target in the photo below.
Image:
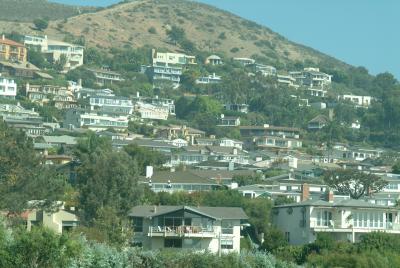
[312, 78]
[278, 142]
[214, 229]
[287, 80]
[75, 118]
[346, 220]
[55, 49]
[105, 76]
[8, 87]
[244, 61]
[225, 142]
[149, 111]
[111, 104]
[359, 101]
[211, 79]
[265, 70]
[229, 121]
[172, 58]
[213, 60]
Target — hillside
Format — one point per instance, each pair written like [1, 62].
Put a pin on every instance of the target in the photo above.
[28, 10]
[211, 29]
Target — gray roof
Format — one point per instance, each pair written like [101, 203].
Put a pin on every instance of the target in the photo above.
[354, 203]
[231, 213]
[68, 140]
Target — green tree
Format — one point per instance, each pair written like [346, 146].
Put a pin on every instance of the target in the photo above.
[396, 168]
[176, 34]
[274, 239]
[144, 157]
[22, 177]
[354, 183]
[107, 179]
[41, 24]
[60, 63]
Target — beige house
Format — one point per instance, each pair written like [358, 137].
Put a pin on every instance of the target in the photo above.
[214, 229]
[59, 221]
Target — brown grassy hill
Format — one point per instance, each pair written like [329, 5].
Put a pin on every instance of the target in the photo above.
[211, 29]
[28, 10]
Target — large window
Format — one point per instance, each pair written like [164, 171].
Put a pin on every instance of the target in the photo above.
[227, 244]
[138, 224]
[323, 218]
[368, 219]
[227, 227]
[172, 243]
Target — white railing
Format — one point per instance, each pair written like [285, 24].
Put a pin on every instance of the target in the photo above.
[181, 230]
[337, 224]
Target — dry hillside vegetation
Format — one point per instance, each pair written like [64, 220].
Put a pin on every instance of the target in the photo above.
[145, 22]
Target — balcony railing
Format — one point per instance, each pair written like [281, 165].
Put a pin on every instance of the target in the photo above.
[186, 230]
[335, 224]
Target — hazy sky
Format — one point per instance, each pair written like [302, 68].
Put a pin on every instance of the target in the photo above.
[359, 32]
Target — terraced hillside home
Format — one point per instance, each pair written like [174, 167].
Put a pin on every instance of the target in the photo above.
[346, 220]
[105, 76]
[172, 58]
[359, 101]
[60, 221]
[210, 79]
[77, 118]
[111, 105]
[265, 70]
[11, 50]
[54, 50]
[8, 87]
[213, 60]
[214, 229]
[179, 181]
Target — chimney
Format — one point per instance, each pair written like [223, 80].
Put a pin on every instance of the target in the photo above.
[137, 94]
[3, 37]
[80, 82]
[222, 116]
[154, 210]
[305, 192]
[330, 196]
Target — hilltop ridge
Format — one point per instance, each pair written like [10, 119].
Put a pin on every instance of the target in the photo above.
[145, 22]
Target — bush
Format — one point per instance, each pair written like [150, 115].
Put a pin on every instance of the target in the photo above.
[235, 50]
[152, 30]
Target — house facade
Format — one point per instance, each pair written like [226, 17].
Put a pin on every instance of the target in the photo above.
[214, 229]
[54, 50]
[229, 121]
[8, 87]
[111, 104]
[11, 50]
[60, 221]
[76, 118]
[150, 111]
[211, 79]
[106, 77]
[359, 101]
[346, 220]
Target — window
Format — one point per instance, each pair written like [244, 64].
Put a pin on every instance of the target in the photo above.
[287, 236]
[138, 224]
[227, 227]
[172, 243]
[226, 244]
[323, 218]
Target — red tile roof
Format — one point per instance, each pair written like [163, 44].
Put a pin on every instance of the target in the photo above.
[9, 42]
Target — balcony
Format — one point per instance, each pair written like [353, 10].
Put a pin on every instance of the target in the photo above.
[182, 231]
[362, 227]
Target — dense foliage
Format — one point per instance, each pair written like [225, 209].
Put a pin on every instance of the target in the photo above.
[43, 248]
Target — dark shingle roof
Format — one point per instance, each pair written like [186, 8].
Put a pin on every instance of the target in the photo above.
[231, 213]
